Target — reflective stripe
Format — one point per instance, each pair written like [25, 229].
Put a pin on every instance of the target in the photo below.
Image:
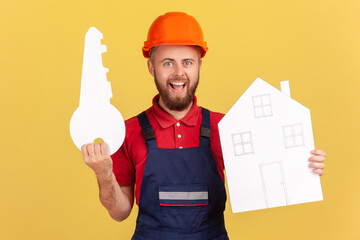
[183, 205]
[183, 195]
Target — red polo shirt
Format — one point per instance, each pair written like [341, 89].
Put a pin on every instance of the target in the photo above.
[129, 160]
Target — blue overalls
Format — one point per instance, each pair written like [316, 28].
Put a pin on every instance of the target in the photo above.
[182, 195]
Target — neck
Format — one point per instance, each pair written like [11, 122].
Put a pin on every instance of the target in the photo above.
[176, 114]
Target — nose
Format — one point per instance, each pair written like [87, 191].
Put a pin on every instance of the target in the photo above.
[179, 70]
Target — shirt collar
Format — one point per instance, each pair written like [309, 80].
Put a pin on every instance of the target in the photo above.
[166, 120]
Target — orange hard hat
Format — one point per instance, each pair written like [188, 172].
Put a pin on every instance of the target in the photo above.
[174, 28]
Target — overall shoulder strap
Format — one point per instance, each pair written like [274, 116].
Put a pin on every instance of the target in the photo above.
[146, 127]
[205, 129]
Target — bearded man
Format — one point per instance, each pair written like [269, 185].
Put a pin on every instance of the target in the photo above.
[171, 159]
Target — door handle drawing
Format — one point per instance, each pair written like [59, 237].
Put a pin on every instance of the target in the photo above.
[96, 117]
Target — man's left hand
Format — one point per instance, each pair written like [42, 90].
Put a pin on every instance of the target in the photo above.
[317, 161]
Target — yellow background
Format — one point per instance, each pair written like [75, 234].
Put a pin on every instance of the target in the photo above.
[47, 192]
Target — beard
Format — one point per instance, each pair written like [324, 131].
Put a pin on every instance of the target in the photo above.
[177, 103]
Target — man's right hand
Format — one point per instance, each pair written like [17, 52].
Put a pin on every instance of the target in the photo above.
[118, 200]
[98, 159]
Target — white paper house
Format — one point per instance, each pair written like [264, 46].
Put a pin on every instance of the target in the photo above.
[266, 139]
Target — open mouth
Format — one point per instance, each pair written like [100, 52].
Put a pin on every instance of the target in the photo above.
[178, 86]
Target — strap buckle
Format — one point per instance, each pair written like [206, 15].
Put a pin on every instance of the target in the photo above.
[205, 130]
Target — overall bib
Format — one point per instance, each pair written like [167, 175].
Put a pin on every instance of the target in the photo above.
[182, 195]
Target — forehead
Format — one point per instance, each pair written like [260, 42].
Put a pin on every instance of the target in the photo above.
[176, 52]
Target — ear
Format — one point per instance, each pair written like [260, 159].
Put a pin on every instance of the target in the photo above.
[200, 64]
[150, 67]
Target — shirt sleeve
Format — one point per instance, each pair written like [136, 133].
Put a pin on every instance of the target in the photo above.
[123, 166]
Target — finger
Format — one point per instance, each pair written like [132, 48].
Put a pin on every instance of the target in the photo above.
[316, 159]
[318, 152]
[318, 171]
[90, 148]
[84, 151]
[97, 150]
[317, 165]
[104, 150]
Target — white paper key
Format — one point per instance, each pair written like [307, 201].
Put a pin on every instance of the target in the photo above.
[96, 117]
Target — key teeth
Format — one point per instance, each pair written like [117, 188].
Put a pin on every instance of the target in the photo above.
[106, 69]
[103, 48]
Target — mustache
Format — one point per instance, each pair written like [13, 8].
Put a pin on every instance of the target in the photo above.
[178, 78]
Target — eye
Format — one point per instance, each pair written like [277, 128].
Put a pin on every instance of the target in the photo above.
[168, 64]
[187, 63]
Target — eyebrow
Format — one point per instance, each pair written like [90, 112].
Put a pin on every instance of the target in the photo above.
[166, 59]
[187, 59]
[171, 59]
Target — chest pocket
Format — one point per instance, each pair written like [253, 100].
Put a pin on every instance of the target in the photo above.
[184, 208]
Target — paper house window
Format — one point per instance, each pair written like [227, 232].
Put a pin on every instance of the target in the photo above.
[262, 106]
[293, 135]
[242, 143]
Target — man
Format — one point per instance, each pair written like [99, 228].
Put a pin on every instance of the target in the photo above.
[171, 158]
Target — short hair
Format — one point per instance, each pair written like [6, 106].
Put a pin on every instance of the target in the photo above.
[152, 50]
